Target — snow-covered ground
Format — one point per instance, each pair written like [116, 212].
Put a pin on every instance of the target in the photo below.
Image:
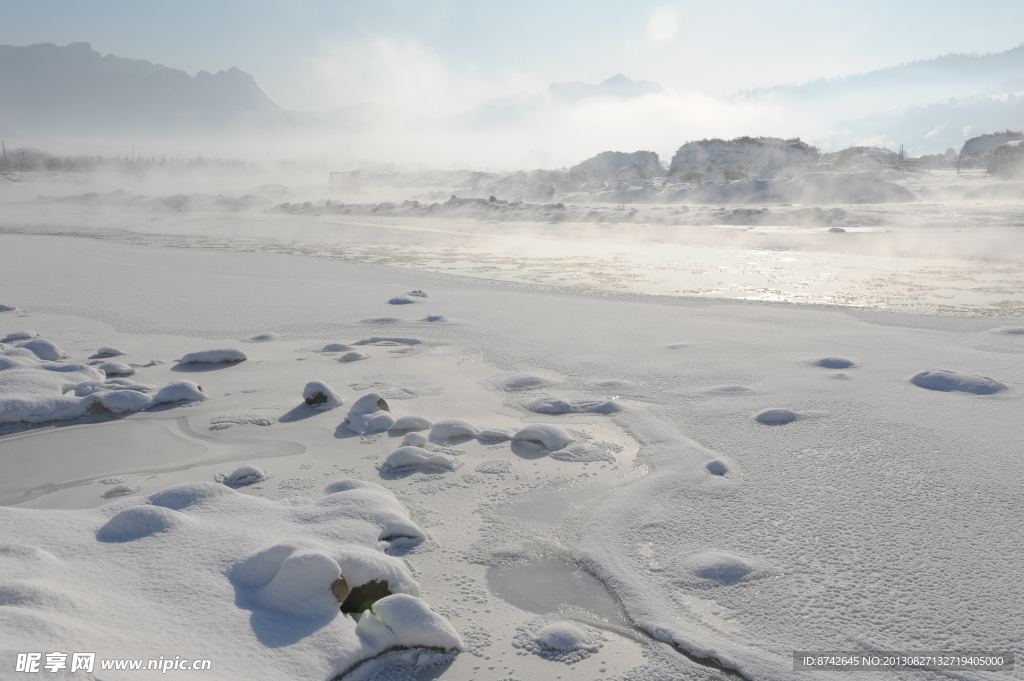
[603, 454]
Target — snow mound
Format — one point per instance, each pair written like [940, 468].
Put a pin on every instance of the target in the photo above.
[302, 586]
[834, 363]
[107, 351]
[34, 390]
[567, 642]
[776, 417]
[383, 320]
[418, 293]
[137, 522]
[226, 421]
[368, 404]
[1008, 330]
[437, 319]
[180, 391]
[386, 341]
[403, 620]
[415, 440]
[497, 467]
[452, 429]
[522, 380]
[406, 424]
[716, 467]
[495, 435]
[215, 356]
[562, 405]
[718, 568]
[760, 157]
[7, 308]
[16, 336]
[542, 436]
[950, 381]
[266, 337]
[116, 369]
[402, 300]
[334, 347]
[319, 395]
[246, 474]
[618, 166]
[365, 424]
[583, 453]
[44, 349]
[121, 490]
[352, 356]
[408, 457]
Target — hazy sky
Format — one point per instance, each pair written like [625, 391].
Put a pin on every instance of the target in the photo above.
[318, 54]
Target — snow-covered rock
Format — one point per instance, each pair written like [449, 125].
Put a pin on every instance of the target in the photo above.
[320, 395]
[543, 436]
[758, 157]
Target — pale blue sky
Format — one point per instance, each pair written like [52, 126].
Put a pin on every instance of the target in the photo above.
[316, 54]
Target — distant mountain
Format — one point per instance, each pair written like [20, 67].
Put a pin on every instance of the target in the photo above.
[936, 127]
[521, 108]
[917, 82]
[49, 89]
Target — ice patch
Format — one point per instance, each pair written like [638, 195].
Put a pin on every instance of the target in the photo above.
[776, 417]
[352, 356]
[246, 474]
[215, 356]
[408, 457]
[567, 642]
[562, 405]
[949, 381]
[320, 396]
[542, 436]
